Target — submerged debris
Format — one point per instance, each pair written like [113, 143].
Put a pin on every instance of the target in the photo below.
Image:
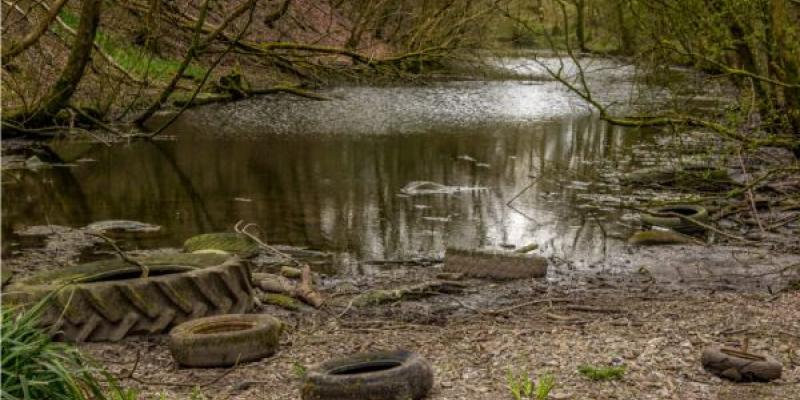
[427, 187]
[380, 296]
[122, 225]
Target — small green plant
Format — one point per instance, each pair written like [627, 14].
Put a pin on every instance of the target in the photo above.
[197, 394]
[601, 373]
[35, 367]
[299, 370]
[522, 386]
[546, 383]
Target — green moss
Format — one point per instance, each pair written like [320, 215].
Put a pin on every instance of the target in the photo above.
[650, 238]
[95, 271]
[281, 301]
[230, 242]
[602, 373]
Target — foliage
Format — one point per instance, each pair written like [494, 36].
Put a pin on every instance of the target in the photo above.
[136, 60]
[35, 367]
[602, 373]
[546, 384]
[522, 386]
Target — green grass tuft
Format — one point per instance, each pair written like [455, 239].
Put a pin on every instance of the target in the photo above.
[522, 386]
[545, 385]
[602, 373]
[35, 367]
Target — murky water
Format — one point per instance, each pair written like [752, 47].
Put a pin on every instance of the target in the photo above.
[328, 175]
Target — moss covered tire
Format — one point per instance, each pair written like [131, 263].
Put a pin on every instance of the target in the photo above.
[739, 366]
[224, 340]
[227, 242]
[109, 304]
[661, 216]
[397, 375]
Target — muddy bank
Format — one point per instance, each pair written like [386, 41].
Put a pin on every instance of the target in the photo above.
[657, 337]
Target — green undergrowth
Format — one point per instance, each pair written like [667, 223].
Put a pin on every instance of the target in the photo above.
[135, 60]
[35, 367]
[602, 373]
[521, 386]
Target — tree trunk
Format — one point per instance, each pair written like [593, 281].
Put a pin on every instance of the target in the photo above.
[580, 23]
[625, 38]
[67, 83]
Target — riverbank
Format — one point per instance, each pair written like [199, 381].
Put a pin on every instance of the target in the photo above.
[658, 336]
[651, 310]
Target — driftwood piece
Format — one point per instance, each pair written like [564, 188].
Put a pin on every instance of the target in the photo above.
[450, 276]
[273, 283]
[305, 289]
[380, 296]
[297, 273]
[494, 264]
[595, 309]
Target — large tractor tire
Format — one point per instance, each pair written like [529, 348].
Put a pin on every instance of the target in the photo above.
[107, 302]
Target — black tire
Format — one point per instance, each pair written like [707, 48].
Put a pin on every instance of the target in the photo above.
[224, 340]
[661, 217]
[397, 375]
[103, 307]
[739, 366]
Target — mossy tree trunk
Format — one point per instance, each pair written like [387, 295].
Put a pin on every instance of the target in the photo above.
[580, 24]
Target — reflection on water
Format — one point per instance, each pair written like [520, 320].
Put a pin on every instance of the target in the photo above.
[341, 191]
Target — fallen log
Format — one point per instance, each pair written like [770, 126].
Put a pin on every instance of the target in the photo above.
[274, 284]
[494, 264]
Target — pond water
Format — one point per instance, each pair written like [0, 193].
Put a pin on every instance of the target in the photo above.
[328, 174]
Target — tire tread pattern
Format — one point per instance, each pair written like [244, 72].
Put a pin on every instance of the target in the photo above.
[110, 311]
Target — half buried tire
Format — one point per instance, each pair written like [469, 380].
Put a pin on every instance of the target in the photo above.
[740, 366]
[225, 340]
[92, 303]
[397, 375]
[665, 217]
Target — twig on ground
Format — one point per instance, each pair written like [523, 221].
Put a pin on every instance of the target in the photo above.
[512, 308]
[145, 269]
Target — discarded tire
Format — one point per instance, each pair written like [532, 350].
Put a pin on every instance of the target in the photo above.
[106, 302]
[494, 264]
[396, 375]
[740, 366]
[225, 340]
[662, 216]
[227, 242]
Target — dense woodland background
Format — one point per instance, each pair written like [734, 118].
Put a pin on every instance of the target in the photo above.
[102, 64]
